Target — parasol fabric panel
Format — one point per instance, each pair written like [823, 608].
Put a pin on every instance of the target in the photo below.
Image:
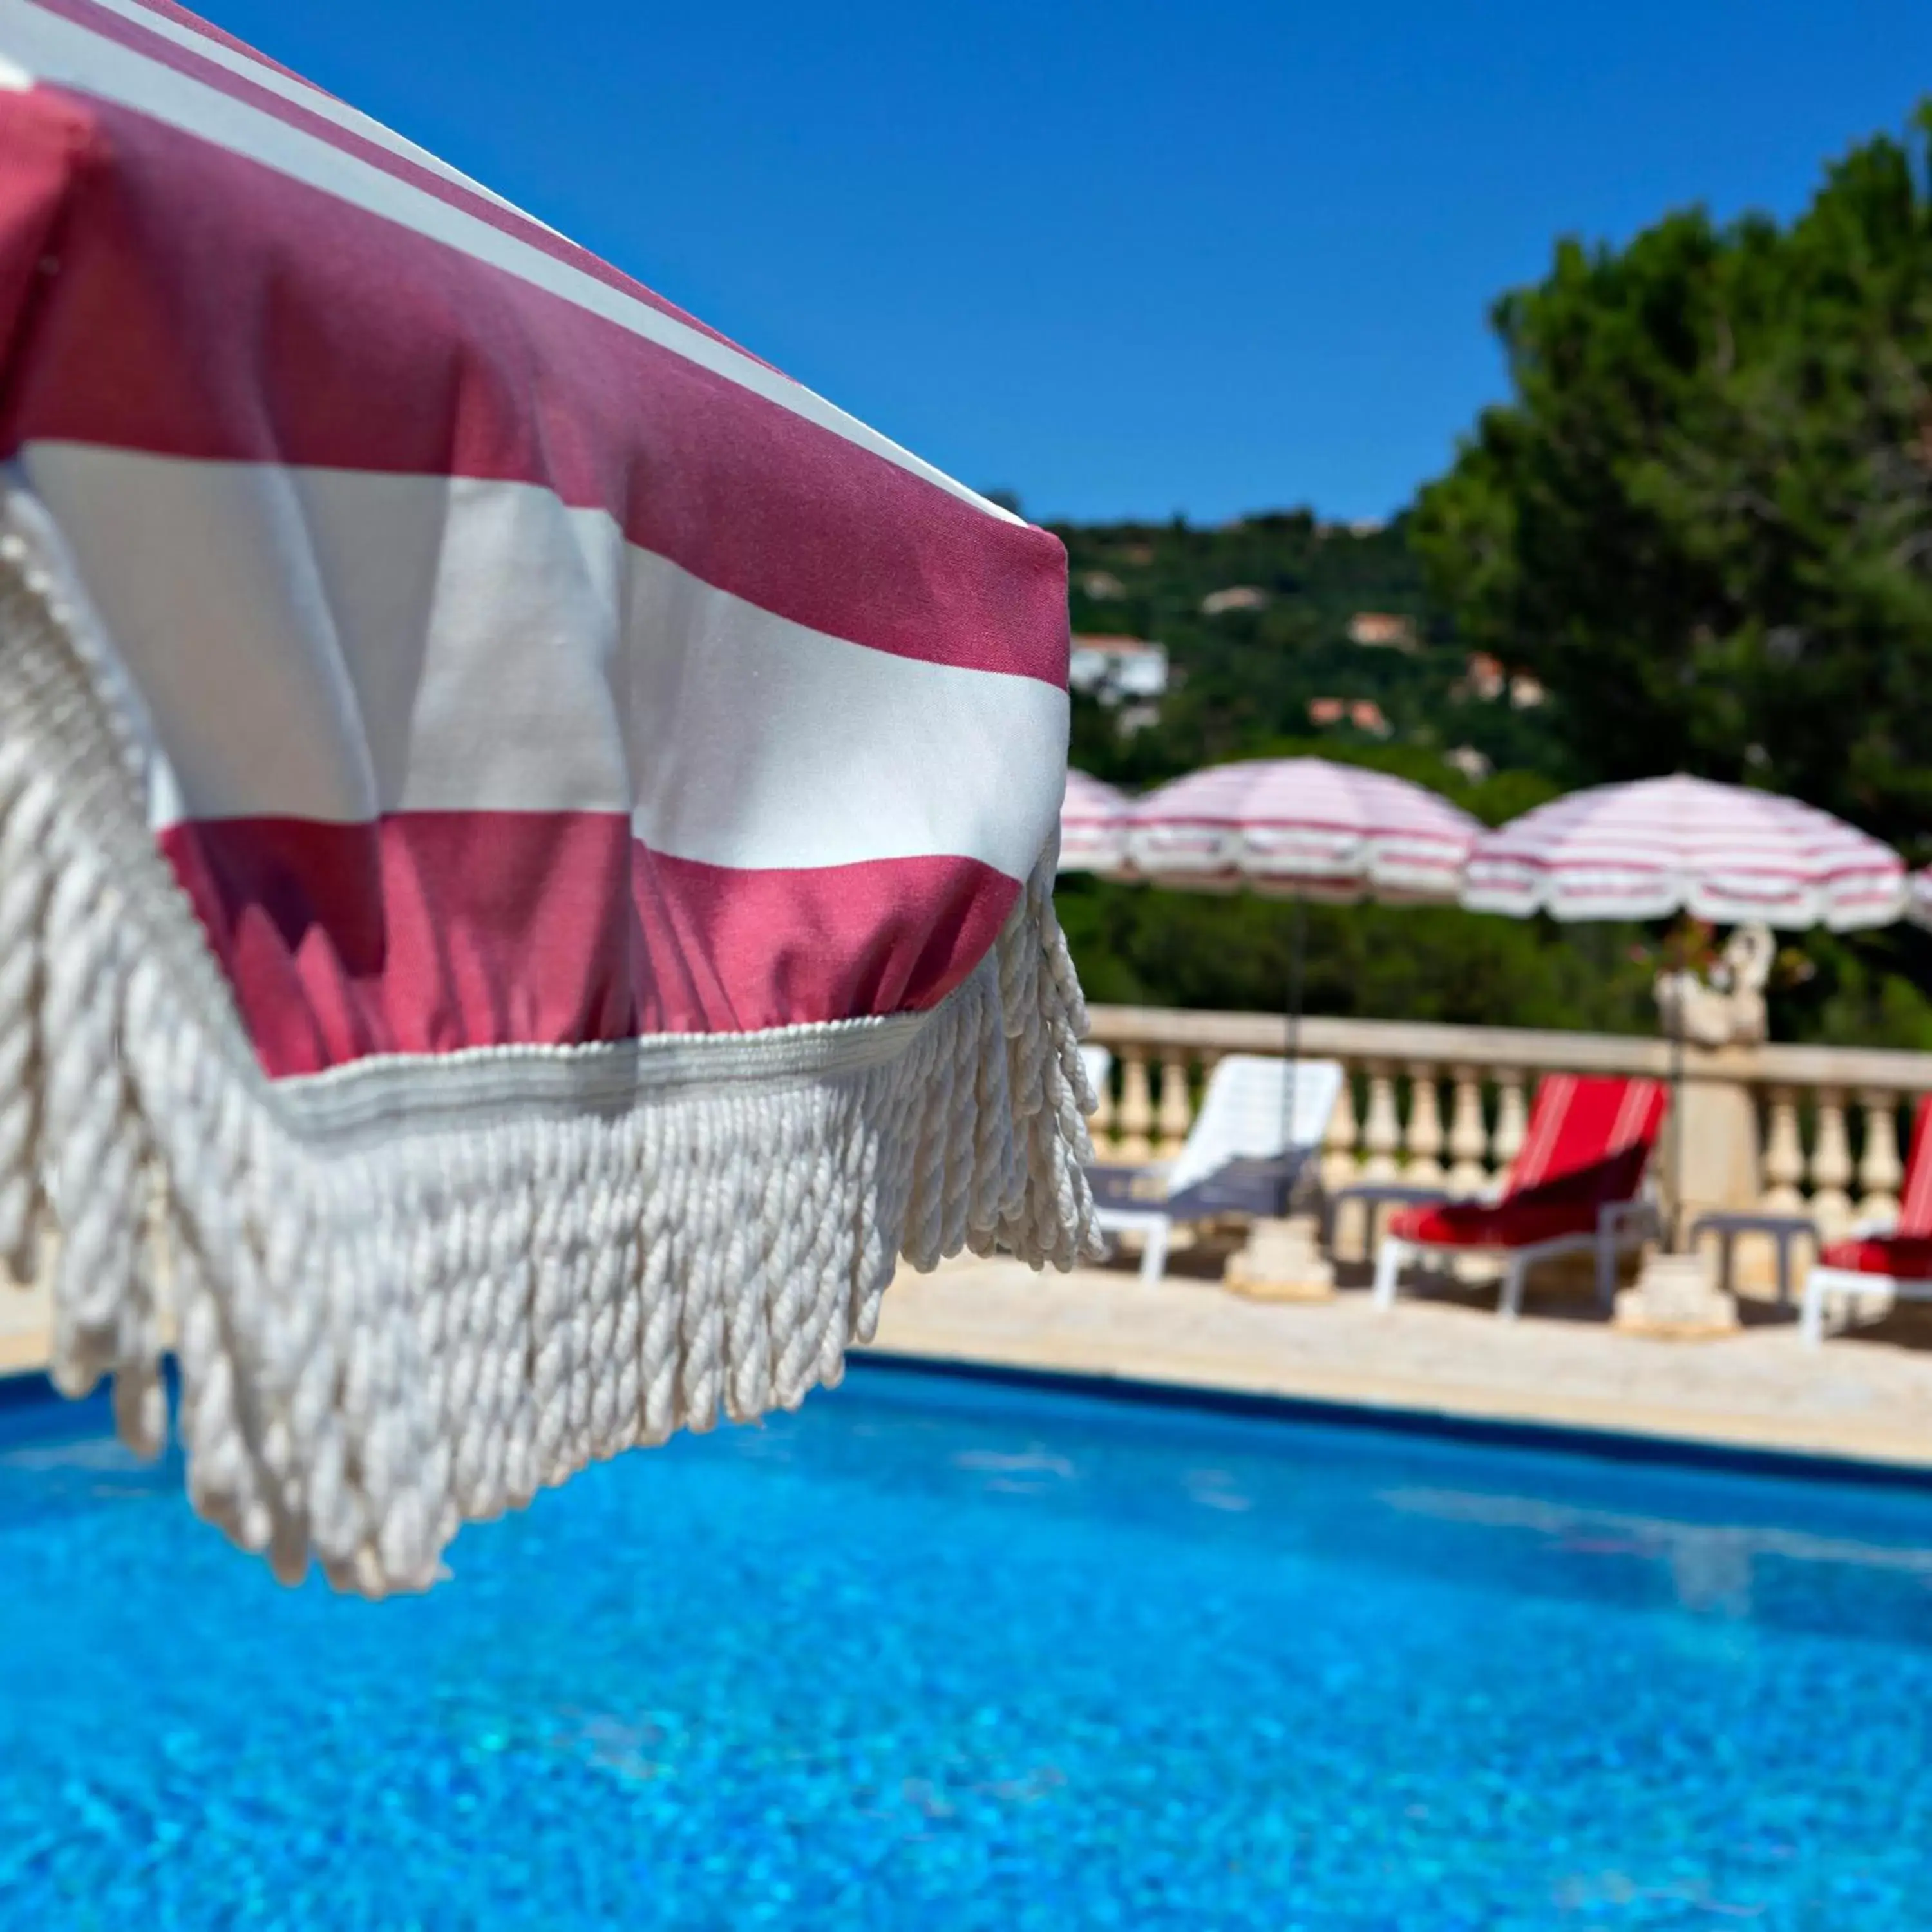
[1302, 828]
[1652, 847]
[1093, 826]
[525, 837]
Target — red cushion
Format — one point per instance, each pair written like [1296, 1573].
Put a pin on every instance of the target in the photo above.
[1904, 1257]
[1566, 1205]
[1501, 1224]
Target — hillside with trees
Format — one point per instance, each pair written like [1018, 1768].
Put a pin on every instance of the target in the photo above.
[1244, 673]
[1700, 532]
[1255, 617]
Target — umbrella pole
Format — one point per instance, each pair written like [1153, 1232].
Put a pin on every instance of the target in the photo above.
[1676, 1228]
[1297, 958]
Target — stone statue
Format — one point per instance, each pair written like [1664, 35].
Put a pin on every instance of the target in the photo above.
[1727, 1008]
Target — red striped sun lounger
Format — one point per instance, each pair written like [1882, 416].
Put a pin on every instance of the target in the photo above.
[525, 836]
[1574, 1187]
[1893, 1265]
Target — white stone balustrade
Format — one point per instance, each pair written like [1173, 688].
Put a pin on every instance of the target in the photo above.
[1447, 1105]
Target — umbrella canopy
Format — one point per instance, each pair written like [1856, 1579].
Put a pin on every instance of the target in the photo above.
[1093, 826]
[525, 836]
[1657, 846]
[1302, 828]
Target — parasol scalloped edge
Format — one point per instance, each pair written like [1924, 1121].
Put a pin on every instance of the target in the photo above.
[381, 1336]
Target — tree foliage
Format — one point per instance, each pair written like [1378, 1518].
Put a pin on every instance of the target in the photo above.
[1146, 945]
[1705, 518]
[1244, 677]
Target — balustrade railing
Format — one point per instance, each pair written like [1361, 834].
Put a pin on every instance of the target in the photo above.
[1447, 1105]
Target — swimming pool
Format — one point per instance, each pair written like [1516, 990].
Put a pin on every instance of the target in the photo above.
[932, 1654]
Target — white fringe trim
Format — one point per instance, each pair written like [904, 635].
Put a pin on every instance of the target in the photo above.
[409, 1294]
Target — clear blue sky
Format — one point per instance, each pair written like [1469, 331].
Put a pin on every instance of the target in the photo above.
[1126, 257]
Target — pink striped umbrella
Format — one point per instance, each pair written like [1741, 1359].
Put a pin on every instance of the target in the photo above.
[1657, 846]
[525, 835]
[1300, 828]
[1304, 828]
[1093, 826]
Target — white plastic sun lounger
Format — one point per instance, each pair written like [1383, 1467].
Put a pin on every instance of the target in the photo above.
[1236, 1159]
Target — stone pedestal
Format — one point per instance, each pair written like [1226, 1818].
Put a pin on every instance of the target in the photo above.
[1710, 1156]
[1720, 1158]
[1282, 1261]
[1676, 1297]
[1719, 1167]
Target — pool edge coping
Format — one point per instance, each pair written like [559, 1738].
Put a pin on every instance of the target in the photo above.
[1595, 1441]
[26, 1390]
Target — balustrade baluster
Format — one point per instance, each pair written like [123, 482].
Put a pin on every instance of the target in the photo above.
[1784, 1156]
[1100, 1122]
[1136, 1114]
[1341, 1163]
[1879, 1172]
[1424, 1165]
[1176, 1111]
[1831, 1166]
[1381, 1137]
[1469, 1137]
[1512, 1119]
[1338, 1145]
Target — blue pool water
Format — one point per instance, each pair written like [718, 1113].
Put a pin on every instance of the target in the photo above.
[933, 1654]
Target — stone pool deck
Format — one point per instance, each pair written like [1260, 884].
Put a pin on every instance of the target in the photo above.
[23, 1329]
[1868, 1397]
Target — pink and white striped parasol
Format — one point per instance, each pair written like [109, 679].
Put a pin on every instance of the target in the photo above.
[1655, 847]
[1304, 828]
[1093, 826]
[525, 835]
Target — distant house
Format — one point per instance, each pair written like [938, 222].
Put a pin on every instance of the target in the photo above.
[1380, 630]
[1236, 597]
[1102, 586]
[1118, 670]
[1364, 713]
[1484, 676]
[1488, 678]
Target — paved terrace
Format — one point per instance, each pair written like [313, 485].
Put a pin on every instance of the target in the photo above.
[1868, 1396]
[23, 1328]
